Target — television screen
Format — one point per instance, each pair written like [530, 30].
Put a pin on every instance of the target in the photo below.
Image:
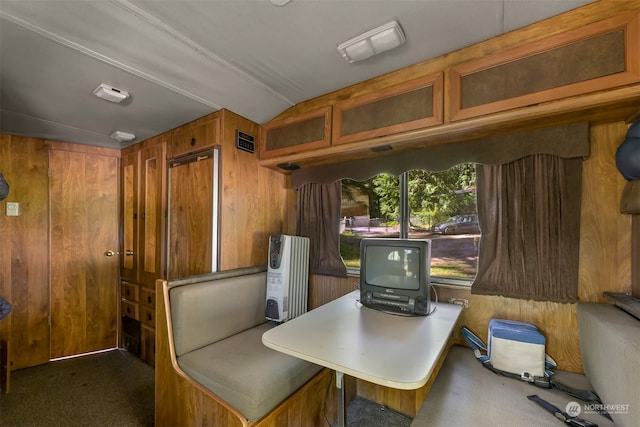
[393, 267]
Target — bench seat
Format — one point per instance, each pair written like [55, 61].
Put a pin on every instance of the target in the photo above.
[216, 326]
[246, 374]
[610, 347]
[465, 393]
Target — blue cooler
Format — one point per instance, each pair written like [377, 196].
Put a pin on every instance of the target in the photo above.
[516, 347]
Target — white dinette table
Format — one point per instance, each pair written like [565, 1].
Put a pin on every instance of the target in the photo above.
[383, 348]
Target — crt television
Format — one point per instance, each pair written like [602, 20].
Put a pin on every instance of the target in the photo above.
[394, 275]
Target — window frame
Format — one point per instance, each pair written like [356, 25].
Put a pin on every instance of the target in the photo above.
[404, 217]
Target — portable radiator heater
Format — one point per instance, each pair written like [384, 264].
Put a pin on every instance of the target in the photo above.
[287, 277]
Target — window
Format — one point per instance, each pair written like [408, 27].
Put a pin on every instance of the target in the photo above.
[442, 208]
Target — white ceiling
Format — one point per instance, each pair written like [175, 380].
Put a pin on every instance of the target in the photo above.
[181, 60]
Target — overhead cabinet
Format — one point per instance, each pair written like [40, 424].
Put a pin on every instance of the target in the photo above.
[599, 56]
[194, 137]
[577, 73]
[292, 135]
[407, 106]
[410, 105]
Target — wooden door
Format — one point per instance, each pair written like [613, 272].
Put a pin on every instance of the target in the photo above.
[193, 215]
[84, 225]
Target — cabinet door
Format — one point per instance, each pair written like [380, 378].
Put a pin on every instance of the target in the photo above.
[151, 220]
[129, 291]
[595, 57]
[193, 215]
[292, 135]
[190, 138]
[407, 106]
[128, 251]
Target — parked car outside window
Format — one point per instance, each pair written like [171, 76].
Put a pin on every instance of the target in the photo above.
[459, 224]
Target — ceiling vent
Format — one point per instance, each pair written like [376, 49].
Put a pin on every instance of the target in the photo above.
[373, 42]
[122, 136]
[110, 93]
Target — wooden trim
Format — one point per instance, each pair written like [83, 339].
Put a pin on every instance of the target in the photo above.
[163, 138]
[196, 123]
[629, 22]
[81, 148]
[324, 112]
[635, 255]
[434, 80]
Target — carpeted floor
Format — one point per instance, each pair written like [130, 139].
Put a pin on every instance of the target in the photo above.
[365, 413]
[106, 389]
[116, 388]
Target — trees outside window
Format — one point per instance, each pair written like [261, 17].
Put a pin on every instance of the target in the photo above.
[371, 208]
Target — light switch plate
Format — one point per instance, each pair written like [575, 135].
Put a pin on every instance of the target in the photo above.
[13, 209]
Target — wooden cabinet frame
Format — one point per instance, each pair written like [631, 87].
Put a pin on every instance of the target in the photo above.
[629, 23]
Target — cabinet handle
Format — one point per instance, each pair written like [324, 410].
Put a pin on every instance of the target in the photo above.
[193, 142]
[149, 300]
[149, 317]
[128, 252]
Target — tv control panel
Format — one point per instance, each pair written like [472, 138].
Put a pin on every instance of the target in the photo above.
[398, 304]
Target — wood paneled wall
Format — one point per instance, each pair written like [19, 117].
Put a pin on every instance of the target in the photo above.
[24, 250]
[605, 234]
[254, 200]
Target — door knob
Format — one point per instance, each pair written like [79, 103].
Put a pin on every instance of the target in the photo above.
[109, 253]
[128, 252]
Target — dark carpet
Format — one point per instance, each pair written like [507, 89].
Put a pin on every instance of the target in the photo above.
[113, 388]
[116, 388]
[365, 413]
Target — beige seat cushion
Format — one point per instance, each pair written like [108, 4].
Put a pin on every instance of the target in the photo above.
[245, 373]
[467, 394]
